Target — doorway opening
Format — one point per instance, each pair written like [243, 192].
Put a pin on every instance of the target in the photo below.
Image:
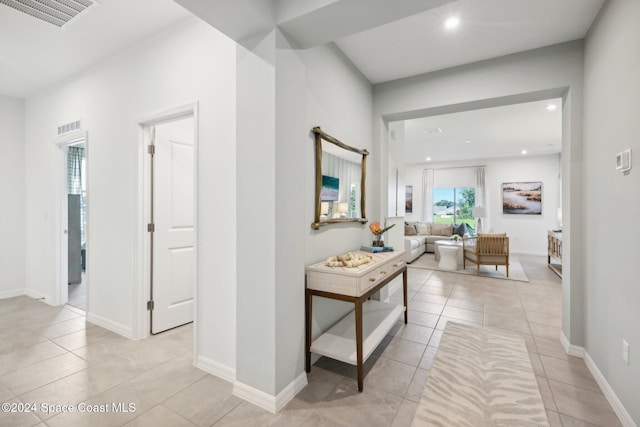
[73, 243]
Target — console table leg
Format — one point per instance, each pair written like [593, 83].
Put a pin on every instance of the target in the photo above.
[307, 314]
[404, 289]
[358, 313]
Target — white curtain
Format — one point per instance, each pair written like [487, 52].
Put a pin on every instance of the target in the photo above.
[427, 195]
[480, 193]
[75, 163]
[349, 174]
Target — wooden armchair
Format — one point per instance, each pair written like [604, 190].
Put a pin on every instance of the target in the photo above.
[486, 249]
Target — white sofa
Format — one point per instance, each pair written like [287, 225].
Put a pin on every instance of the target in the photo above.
[426, 234]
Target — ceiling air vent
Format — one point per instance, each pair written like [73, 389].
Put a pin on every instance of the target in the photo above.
[69, 127]
[56, 12]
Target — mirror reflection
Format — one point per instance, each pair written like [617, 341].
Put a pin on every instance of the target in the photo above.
[340, 187]
[340, 173]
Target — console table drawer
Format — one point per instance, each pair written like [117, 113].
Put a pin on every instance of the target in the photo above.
[354, 281]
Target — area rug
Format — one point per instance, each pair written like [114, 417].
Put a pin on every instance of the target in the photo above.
[516, 272]
[481, 377]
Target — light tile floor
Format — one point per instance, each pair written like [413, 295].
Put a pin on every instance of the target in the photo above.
[50, 355]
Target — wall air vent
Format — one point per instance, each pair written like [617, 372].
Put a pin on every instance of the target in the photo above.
[55, 12]
[69, 127]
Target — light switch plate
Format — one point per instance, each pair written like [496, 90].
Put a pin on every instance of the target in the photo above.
[623, 160]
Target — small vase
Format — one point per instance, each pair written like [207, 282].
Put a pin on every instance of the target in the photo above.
[378, 242]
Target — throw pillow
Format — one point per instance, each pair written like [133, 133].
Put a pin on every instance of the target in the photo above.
[439, 229]
[447, 230]
[409, 230]
[470, 231]
[428, 225]
[436, 229]
[421, 229]
[460, 229]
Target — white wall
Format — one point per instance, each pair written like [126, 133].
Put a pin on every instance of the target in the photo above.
[192, 62]
[298, 89]
[12, 176]
[336, 97]
[256, 215]
[527, 233]
[612, 199]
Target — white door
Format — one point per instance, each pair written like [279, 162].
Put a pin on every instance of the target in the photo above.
[173, 261]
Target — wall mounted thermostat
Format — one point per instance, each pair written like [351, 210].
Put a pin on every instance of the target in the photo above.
[623, 161]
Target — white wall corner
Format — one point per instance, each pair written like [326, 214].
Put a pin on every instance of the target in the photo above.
[291, 391]
[118, 328]
[216, 369]
[266, 401]
[570, 349]
[616, 404]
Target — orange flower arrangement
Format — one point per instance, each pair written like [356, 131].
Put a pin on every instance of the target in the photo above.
[379, 231]
[375, 228]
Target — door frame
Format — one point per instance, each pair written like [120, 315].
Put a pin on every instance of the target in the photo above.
[61, 294]
[142, 291]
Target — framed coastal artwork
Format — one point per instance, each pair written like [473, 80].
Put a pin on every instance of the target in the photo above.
[408, 201]
[522, 198]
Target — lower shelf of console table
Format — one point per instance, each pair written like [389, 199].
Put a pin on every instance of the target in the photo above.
[339, 342]
[354, 338]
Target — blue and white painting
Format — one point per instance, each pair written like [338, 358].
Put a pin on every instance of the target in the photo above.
[522, 198]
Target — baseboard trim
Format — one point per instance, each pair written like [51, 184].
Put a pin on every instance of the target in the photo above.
[290, 391]
[570, 349]
[39, 296]
[266, 401]
[118, 328]
[216, 369]
[616, 404]
[12, 293]
[614, 401]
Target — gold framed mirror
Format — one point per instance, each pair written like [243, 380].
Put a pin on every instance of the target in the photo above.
[341, 172]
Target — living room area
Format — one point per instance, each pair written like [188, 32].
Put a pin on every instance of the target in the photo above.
[460, 173]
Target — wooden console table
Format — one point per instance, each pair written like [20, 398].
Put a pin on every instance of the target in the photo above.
[353, 339]
[554, 251]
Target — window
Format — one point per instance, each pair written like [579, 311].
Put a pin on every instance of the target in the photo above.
[454, 205]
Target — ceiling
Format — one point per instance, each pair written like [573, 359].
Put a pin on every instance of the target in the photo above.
[482, 134]
[35, 54]
[488, 29]
[383, 43]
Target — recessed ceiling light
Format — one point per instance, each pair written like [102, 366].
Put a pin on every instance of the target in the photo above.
[452, 23]
[524, 151]
[551, 107]
[428, 159]
[468, 142]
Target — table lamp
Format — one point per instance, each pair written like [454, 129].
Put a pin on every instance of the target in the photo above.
[343, 209]
[478, 212]
[324, 210]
